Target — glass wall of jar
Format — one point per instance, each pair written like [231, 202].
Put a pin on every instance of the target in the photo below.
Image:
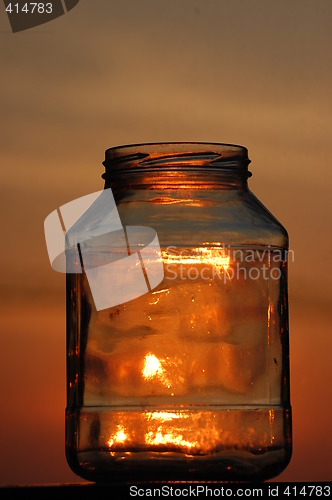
[190, 381]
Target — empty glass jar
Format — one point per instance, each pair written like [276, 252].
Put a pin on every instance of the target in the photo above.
[189, 381]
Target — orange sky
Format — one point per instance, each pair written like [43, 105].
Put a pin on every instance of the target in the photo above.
[108, 73]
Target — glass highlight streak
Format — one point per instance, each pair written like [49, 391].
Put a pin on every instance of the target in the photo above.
[216, 257]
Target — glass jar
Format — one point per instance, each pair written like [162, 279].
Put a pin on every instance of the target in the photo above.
[189, 381]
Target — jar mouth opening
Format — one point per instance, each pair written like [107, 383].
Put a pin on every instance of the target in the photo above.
[231, 158]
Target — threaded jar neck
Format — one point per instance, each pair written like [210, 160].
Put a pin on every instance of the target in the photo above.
[191, 160]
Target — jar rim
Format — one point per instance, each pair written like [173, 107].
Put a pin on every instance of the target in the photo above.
[221, 157]
[189, 147]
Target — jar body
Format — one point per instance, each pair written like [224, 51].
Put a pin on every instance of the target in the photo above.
[190, 381]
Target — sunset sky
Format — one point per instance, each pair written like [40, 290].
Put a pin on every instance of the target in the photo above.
[112, 72]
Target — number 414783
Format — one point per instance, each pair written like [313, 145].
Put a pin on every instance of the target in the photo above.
[310, 490]
[30, 8]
